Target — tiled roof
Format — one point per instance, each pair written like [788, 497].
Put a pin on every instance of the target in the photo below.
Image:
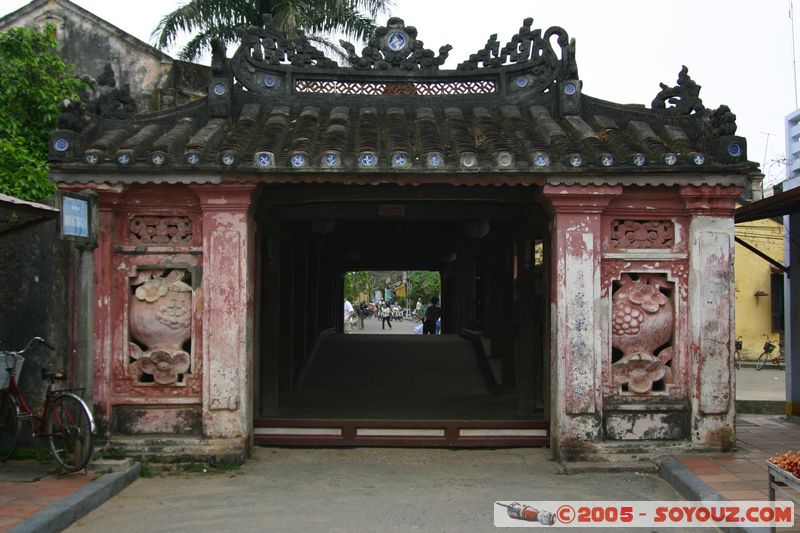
[286, 109]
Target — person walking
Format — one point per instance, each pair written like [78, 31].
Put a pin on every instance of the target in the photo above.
[348, 314]
[363, 311]
[386, 316]
[432, 314]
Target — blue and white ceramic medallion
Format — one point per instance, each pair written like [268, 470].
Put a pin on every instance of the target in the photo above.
[522, 82]
[219, 89]
[193, 158]
[123, 159]
[670, 158]
[570, 89]
[435, 160]
[575, 160]
[91, 158]
[228, 159]
[264, 160]
[269, 81]
[735, 150]
[639, 160]
[607, 160]
[61, 145]
[298, 160]
[541, 159]
[367, 160]
[396, 41]
[330, 160]
[158, 159]
[399, 160]
[699, 159]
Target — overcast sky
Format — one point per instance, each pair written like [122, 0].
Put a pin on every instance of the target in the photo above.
[739, 51]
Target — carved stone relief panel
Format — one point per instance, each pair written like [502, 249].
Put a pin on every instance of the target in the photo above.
[160, 326]
[642, 333]
[160, 230]
[627, 234]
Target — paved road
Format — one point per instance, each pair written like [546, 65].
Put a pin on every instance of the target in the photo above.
[375, 325]
[360, 489]
[766, 384]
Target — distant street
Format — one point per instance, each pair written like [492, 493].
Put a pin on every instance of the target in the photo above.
[373, 326]
[766, 384]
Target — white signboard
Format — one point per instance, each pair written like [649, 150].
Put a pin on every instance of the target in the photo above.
[75, 217]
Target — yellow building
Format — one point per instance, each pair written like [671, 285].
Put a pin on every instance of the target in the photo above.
[759, 285]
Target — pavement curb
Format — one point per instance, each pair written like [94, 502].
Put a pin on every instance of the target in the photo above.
[70, 509]
[761, 407]
[693, 488]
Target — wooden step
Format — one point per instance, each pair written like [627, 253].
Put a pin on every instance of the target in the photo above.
[425, 433]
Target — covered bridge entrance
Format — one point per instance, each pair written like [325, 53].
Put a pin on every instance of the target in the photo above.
[471, 386]
[585, 249]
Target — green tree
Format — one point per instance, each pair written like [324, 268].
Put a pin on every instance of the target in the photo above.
[208, 19]
[424, 284]
[356, 283]
[35, 82]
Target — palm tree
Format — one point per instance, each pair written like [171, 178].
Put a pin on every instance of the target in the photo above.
[354, 19]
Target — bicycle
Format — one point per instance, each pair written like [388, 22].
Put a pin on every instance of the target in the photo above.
[767, 354]
[65, 420]
[737, 354]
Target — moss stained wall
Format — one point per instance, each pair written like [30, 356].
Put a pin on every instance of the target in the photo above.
[33, 301]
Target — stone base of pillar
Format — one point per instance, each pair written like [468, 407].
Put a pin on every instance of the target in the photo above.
[627, 451]
[168, 449]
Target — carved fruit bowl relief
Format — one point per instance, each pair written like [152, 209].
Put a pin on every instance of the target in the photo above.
[160, 319]
[642, 322]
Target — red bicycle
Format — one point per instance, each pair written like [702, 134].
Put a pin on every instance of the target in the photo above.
[65, 420]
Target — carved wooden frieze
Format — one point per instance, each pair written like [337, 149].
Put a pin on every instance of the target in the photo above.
[638, 234]
[160, 230]
[642, 328]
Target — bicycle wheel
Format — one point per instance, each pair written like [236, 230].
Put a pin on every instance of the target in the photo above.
[69, 432]
[762, 360]
[9, 425]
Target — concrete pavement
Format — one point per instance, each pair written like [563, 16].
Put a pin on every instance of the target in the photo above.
[376, 326]
[360, 489]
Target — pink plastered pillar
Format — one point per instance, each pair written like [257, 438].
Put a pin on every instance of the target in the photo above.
[576, 316]
[711, 316]
[227, 311]
[104, 306]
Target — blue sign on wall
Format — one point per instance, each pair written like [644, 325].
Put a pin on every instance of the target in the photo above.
[75, 217]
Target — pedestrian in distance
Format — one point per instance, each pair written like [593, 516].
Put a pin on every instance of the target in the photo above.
[386, 316]
[432, 314]
[363, 312]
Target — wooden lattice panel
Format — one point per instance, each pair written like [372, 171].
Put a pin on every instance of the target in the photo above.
[368, 88]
